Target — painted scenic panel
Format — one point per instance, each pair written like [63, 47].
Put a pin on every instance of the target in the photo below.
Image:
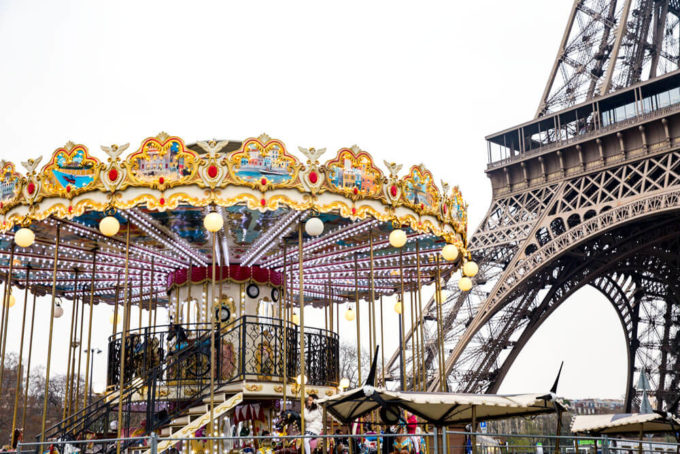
[419, 189]
[270, 160]
[9, 180]
[350, 171]
[162, 161]
[72, 167]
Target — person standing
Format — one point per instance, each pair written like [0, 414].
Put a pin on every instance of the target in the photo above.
[313, 421]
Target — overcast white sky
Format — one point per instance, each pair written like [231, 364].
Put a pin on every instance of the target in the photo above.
[407, 81]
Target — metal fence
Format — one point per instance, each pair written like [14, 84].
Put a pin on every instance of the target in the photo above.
[435, 441]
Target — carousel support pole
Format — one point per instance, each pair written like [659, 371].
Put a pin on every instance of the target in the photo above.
[74, 310]
[115, 307]
[212, 349]
[372, 327]
[382, 341]
[80, 349]
[423, 379]
[189, 281]
[126, 327]
[28, 364]
[178, 308]
[89, 329]
[151, 292]
[356, 303]
[301, 292]
[440, 339]
[5, 313]
[330, 303]
[49, 336]
[402, 341]
[284, 299]
[139, 303]
[17, 389]
[414, 357]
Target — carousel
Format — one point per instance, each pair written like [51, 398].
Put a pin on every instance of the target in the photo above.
[209, 255]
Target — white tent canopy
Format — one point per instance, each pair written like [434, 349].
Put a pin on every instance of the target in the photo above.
[623, 423]
[441, 409]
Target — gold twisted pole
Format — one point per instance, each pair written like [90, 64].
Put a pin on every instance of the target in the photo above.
[80, 348]
[212, 349]
[5, 314]
[301, 292]
[423, 379]
[284, 298]
[28, 364]
[440, 337]
[356, 303]
[21, 354]
[126, 327]
[401, 321]
[115, 307]
[89, 330]
[151, 291]
[49, 337]
[71, 353]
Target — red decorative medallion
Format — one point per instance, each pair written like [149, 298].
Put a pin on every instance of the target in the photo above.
[70, 208]
[354, 211]
[422, 206]
[113, 175]
[313, 177]
[161, 180]
[68, 188]
[263, 202]
[444, 209]
[212, 171]
[355, 190]
[393, 191]
[263, 181]
[162, 201]
[30, 188]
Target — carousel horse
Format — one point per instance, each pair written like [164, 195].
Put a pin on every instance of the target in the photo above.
[289, 424]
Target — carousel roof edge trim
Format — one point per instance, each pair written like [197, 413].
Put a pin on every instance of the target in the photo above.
[164, 173]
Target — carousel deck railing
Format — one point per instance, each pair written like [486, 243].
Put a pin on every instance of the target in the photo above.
[250, 348]
[162, 385]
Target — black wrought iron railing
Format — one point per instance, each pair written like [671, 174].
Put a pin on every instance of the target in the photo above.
[251, 348]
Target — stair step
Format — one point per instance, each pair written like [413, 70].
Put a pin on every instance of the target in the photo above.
[166, 431]
[199, 409]
[218, 398]
[181, 421]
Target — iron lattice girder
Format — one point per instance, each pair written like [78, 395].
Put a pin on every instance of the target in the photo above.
[610, 44]
[600, 201]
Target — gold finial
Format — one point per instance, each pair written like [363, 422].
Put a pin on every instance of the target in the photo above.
[69, 145]
[163, 136]
[114, 150]
[264, 138]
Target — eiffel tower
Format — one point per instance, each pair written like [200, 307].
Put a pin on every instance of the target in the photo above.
[585, 194]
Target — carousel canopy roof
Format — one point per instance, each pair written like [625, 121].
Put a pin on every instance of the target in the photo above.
[437, 408]
[162, 191]
[624, 423]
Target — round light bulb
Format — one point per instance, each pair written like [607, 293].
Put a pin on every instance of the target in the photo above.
[58, 311]
[213, 222]
[344, 383]
[397, 307]
[470, 269]
[314, 226]
[450, 252]
[12, 301]
[109, 226]
[24, 237]
[298, 379]
[397, 238]
[296, 318]
[349, 314]
[465, 284]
